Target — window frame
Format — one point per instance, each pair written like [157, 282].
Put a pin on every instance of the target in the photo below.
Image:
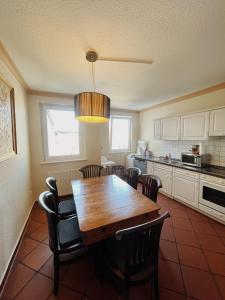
[60, 158]
[129, 149]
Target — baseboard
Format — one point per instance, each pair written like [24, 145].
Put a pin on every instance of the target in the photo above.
[13, 256]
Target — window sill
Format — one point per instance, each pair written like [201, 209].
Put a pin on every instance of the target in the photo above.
[46, 162]
[120, 151]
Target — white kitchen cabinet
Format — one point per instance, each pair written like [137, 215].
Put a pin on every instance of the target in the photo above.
[157, 129]
[150, 167]
[217, 122]
[195, 126]
[170, 128]
[186, 186]
[165, 174]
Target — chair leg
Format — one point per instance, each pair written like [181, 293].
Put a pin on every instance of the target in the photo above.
[56, 274]
[156, 284]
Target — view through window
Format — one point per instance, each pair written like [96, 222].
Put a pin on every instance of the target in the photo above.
[120, 130]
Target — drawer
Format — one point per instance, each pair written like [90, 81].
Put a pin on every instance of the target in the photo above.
[163, 167]
[213, 179]
[191, 174]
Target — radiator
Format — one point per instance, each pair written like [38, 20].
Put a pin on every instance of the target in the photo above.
[64, 178]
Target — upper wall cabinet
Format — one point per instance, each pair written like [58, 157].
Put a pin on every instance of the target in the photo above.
[157, 129]
[170, 128]
[195, 126]
[217, 122]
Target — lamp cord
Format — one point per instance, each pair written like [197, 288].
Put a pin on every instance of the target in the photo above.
[93, 75]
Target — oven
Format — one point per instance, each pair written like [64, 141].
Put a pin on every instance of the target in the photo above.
[212, 196]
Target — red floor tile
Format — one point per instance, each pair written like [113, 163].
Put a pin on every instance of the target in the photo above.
[182, 223]
[186, 237]
[168, 250]
[178, 213]
[170, 276]
[166, 294]
[65, 294]
[216, 262]
[213, 243]
[18, 278]
[199, 284]
[167, 233]
[41, 233]
[32, 226]
[196, 216]
[192, 257]
[203, 227]
[39, 287]
[219, 228]
[27, 245]
[220, 281]
[38, 257]
[48, 269]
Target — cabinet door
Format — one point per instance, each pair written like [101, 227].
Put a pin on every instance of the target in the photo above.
[195, 126]
[217, 122]
[166, 178]
[150, 167]
[186, 189]
[170, 128]
[157, 129]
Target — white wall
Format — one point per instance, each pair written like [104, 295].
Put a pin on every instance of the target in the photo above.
[96, 143]
[203, 102]
[15, 183]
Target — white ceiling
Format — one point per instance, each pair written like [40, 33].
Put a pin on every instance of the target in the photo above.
[47, 40]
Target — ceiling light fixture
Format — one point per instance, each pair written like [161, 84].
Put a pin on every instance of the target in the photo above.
[92, 107]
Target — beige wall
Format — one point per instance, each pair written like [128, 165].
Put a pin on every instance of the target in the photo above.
[15, 185]
[96, 143]
[207, 101]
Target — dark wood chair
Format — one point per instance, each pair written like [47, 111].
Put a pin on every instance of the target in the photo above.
[64, 235]
[91, 171]
[132, 256]
[150, 186]
[118, 170]
[132, 176]
[65, 204]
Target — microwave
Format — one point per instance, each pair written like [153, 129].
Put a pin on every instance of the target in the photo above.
[195, 160]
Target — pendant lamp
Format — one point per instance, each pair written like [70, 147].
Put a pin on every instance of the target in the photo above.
[92, 107]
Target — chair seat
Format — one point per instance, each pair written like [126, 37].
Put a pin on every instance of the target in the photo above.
[69, 232]
[67, 207]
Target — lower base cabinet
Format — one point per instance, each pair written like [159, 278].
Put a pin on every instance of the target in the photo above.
[165, 174]
[186, 189]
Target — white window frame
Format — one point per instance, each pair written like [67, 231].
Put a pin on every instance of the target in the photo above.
[130, 133]
[61, 158]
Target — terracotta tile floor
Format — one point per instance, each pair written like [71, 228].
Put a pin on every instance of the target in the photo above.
[191, 266]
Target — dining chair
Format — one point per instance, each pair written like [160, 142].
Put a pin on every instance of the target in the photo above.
[132, 175]
[131, 257]
[64, 235]
[118, 170]
[150, 186]
[91, 171]
[65, 204]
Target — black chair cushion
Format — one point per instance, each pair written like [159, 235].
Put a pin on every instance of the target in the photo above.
[69, 232]
[66, 207]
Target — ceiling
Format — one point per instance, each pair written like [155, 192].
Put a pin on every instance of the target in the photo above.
[47, 40]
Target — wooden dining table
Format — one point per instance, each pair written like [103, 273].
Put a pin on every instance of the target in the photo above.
[106, 204]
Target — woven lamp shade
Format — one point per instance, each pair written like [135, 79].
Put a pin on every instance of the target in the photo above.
[92, 107]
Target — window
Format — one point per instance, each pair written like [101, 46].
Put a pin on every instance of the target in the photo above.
[62, 135]
[120, 133]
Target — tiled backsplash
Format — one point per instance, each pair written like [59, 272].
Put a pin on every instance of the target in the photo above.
[214, 145]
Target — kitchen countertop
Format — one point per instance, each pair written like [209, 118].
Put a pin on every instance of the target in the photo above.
[208, 170]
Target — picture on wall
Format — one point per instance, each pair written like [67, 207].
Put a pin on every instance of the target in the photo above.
[8, 145]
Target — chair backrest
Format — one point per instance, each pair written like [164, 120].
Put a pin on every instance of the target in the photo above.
[118, 170]
[132, 175]
[47, 202]
[91, 171]
[139, 245]
[150, 186]
[51, 184]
